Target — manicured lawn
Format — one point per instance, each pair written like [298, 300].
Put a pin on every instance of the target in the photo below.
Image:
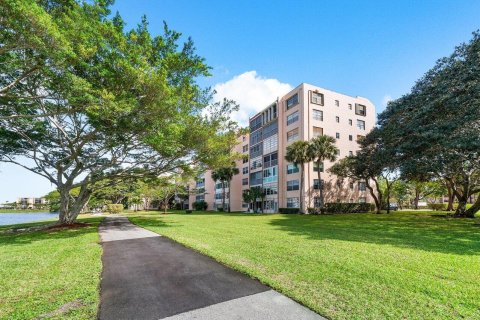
[364, 266]
[42, 271]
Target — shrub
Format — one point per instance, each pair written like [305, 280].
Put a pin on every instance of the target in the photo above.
[200, 205]
[220, 209]
[288, 210]
[314, 210]
[337, 207]
[437, 206]
[188, 211]
[114, 208]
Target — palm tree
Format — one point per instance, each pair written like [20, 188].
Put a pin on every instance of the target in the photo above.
[218, 175]
[223, 175]
[229, 172]
[298, 154]
[322, 148]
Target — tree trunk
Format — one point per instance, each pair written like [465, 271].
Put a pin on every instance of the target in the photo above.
[223, 196]
[229, 195]
[389, 185]
[470, 213]
[320, 186]
[69, 210]
[301, 189]
[377, 199]
[417, 198]
[451, 197]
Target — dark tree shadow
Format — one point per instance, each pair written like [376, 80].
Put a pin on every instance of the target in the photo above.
[422, 232]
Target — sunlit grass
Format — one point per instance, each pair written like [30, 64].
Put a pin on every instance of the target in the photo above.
[42, 271]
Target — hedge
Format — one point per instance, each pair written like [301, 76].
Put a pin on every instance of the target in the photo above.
[337, 207]
[114, 208]
[289, 210]
[200, 205]
[437, 206]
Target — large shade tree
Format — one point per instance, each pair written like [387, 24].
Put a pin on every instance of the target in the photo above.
[435, 129]
[82, 100]
[225, 175]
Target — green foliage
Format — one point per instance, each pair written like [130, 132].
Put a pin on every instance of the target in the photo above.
[289, 210]
[337, 207]
[81, 99]
[200, 205]
[114, 208]
[434, 128]
[437, 206]
[188, 211]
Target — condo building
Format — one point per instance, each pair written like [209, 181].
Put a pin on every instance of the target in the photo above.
[304, 113]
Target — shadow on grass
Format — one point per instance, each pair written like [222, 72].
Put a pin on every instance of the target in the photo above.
[34, 236]
[417, 231]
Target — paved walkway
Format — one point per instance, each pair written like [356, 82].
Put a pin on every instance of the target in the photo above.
[146, 276]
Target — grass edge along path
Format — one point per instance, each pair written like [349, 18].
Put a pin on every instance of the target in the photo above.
[52, 274]
[413, 265]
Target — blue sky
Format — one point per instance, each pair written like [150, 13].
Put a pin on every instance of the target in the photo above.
[259, 49]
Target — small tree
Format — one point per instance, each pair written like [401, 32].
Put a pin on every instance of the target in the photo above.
[298, 154]
[320, 149]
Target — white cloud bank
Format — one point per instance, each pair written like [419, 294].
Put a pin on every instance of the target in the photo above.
[252, 92]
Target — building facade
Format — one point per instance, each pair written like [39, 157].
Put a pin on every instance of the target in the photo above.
[304, 113]
[31, 203]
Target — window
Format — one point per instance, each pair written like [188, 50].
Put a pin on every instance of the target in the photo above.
[256, 163]
[270, 160]
[245, 170]
[317, 115]
[317, 202]
[337, 103]
[245, 148]
[362, 186]
[292, 185]
[350, 153]
[270, 144]
[351, 185]
[292, 101]
[244, 138]
[316, 185]
[337, 119]
[270, 189]
[317, 131]
[339, 183]
[317, 98]
[360, 109]
[256, 150]
[256, 137]
[316, 166]
[361, 124]
[256, 178]
[292, 168]
[360, 137]
[255, 123]
[292, 118]
[245, 159]
[350, 122]
[350, 137]
[362, 200]
[270, 174]
[245, 182]
[350, 106]
[293, 203]
[292, 135]
[337, 135]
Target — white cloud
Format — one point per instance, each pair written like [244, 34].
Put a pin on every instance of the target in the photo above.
[386, 99]
[252, 92]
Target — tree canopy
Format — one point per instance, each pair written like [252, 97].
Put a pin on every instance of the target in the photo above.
[83, 101]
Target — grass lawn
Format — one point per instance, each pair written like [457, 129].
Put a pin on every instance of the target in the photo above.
[42, 271]
[362, 266]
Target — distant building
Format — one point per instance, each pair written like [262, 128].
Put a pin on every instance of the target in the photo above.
[31, 203]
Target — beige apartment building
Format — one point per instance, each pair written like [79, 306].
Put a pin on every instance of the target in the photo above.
[304, 113]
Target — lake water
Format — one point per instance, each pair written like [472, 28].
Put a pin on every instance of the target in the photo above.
[24, 217]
